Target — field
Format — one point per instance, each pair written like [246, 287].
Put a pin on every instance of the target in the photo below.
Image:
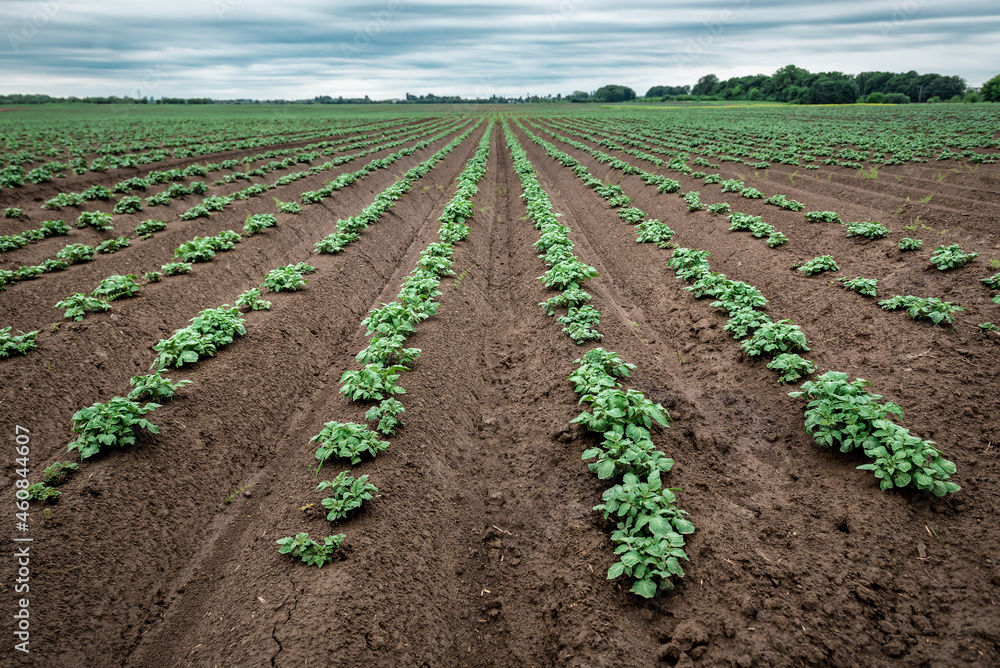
[690, 242]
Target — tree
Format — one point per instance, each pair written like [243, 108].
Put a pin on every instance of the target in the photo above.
[875, 98]
[755, 94]
[991, 90]
[612, 93]
[706, 85]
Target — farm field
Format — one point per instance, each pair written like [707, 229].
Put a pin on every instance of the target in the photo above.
[713, 250]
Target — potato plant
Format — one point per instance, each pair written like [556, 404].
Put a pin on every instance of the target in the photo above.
[289, 278]
[693, 201]
[348, 494]
[861, 285]
[175, 268]
[823, 217]
[923, 308]
[846, 415]
[870, 230]
[791, 367]
[116, 286]
[580, 323]
[908, 244]
[386, 415]
[154, 386]
[78, 304]
[96, 219]
[209, 330]
[251, 300]
[12, 345]
[112, 245]
[74, 253]
[113, 424]
[308, 550]
[818, 265]
[128, 204]
[774, 338]
[347, 440]
[951, 257]
[257, 222]
[992, 282]
[146, 228]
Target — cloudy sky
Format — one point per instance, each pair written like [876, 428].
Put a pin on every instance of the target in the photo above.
[302, 48]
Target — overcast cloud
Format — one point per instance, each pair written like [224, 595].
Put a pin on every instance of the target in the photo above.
[385, 49]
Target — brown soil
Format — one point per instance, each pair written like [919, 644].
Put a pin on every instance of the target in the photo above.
[482, 548]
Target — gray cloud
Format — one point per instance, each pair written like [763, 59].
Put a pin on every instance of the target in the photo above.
[256, 48]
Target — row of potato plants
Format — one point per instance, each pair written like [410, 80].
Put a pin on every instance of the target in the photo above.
[198, 249]
[14, 175]
[349, 229]
[383, 360]
[839, 413]
[650, 528]
[118, 422]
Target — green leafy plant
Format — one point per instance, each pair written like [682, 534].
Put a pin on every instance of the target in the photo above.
[871, 230]
[386, 414]
[311, 552]
[288, 278]
[626, 448]
[42, 492]
[12, 212]
[113, 424]
[846, 415]
[718, 209]
[863, 286]
[655, 232]
[785, 203]
[923, 308]
[154, 386]
[347, 440]
[175, 268]
[251, 299]
[153, 276]
[77, 305]
[116, 286]
[348, 494]
[908, 244]
[371, 383]
[56, 474]
[791, 367]
[823, 217]
[950, 257]
[199, 249]
[693, 200]
[129, 204]
[568, 274]
[631, 215]
[74, 253]
[992, 282]
[580, 323]
[818, 265]
[775, 338]
[570, 298]
[112, 245]
[96, 219]
[776, 239]
[209, 330]
[12, 345]
[256, 223]
[988, 327]
[146, 228]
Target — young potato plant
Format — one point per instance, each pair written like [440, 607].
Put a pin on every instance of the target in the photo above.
[846, 415]
[751, 193]
[96, 219]
[78, 304]
[153, 276]
[570, 298]
[581, 324]
[348, 495]
[773, 338]
[743, 320]
[923, 308]
[11, 212]
[776, 239]
[154, 386]
[870, 230]
[209, 330]
[732, 186]
[823, 217]
[784, 203]
[175, 268]
[199, 249]
[631, 215]
[113, 424]
[257, 222]
[128, 204]
[146, 228]
[251, 299]
[760, 229]
[689, 263]
[992, 282]
[718, 209]
[818, 265]
[117, 286]
[12, 345]
[386, 414]
[791, 367]
[568, 274]
[288, 278]
[371, 383]
[861, 285]
[311, 552]
[654, 232]
[287, 207]
[626, 449]
[112, 245]
[742, 222]
[347, 440]
[74, 253]
[908, 244]
[950, 257]
[693, 200]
